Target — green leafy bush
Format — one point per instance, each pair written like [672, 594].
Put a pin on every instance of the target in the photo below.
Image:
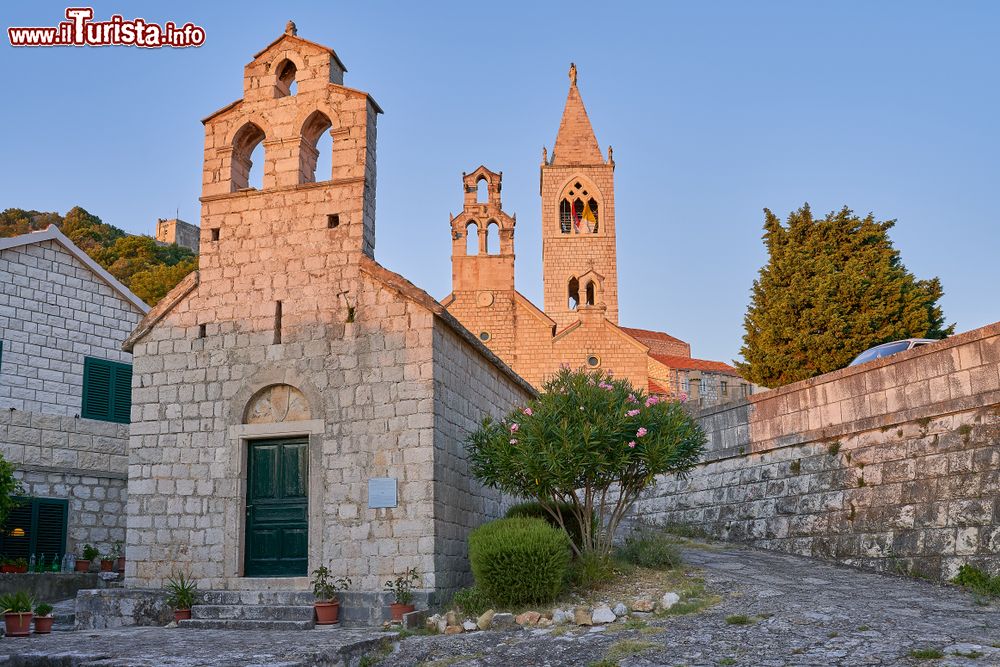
[472, 601]
[590, 570]
[591, 441]
[979, 581]
[44, 609]
[519, 561]
[565, 510]
[652, 549]
[19, 602]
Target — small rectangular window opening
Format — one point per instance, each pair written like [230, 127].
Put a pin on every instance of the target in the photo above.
[333, 221]
[201, 330]
[215, 233]
[277, 322]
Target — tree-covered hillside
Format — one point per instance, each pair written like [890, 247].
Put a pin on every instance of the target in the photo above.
[148, 269]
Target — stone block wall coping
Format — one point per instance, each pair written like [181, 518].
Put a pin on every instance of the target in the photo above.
[299, 187]
[924, 350]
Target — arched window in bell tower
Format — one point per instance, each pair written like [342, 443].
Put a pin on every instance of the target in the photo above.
[482, 191]
[286, 79]
[492, 238]
[574, 294]
[591, 293]
[472, 239]
[578, 211]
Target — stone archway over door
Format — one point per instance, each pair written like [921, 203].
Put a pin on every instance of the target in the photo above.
[277, 488]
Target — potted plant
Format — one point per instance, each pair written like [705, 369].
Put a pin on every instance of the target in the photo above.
[89, 554]
[325, 588]
[402, 592]
[7, 566]
[107, 562]
[181, 595]
[17, 613]
[43, 619]
[20, 565]
[118, 553]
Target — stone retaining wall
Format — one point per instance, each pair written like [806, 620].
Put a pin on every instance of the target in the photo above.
[891, 465]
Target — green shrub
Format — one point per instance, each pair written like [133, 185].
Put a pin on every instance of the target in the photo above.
[651, 549]
[979, 581]
[535, 510]
[472, 601]
[589, 439]
[519, 561]
[19, 602]
[591, 569]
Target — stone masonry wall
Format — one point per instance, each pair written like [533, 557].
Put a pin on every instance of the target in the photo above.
[466, 387]
[54, 312]
[892, 465]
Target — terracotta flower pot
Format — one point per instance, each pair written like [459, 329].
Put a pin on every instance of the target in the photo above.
[18, 625]
[120, 565]
[43, 625]
[20, 569]
[327, 613]
[6, 569]
[106, 564]
[182, 614]
[399, 609]
[83, 565]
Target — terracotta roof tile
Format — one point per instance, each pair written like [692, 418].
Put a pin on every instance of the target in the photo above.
[655, 335]
[690, 364]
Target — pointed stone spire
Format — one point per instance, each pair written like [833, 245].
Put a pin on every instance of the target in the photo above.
[575, 143]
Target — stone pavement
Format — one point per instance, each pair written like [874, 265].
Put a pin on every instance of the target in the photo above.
[801, 612]
[177, 647]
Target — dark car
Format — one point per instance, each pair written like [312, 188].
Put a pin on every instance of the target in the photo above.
[886, 349]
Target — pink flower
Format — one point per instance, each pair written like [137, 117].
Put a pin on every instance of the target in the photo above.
[514, 428]
[605, 386]
[528, 411]
[513, 441]
[631, 444]
[684, 398]
[631, 398]
[652, 400]
[632, 413]
[641, 432]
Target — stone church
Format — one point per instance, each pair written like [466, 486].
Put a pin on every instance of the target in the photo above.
[295, 404]
[578, 323]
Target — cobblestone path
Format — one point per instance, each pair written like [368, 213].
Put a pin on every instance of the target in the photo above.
[800, 612]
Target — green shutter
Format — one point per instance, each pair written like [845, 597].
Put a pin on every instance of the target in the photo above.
[121, 408]
[35, 526]
[107, 390]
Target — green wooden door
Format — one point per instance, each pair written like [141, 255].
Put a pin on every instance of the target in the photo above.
[277, 508]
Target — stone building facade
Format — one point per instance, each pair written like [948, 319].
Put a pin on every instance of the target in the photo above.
[63, 319]
[579, 324]
[296, 404]
[175, 230]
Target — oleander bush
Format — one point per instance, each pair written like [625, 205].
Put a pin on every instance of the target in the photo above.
[589, 443]
[519, 561]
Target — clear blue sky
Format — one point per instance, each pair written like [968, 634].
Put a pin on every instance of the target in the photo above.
[715, 110]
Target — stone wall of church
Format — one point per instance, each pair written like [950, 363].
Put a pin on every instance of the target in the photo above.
[892, 465]
[467, 387]
[369, 386]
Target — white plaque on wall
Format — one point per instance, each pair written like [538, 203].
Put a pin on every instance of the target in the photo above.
[381, 492]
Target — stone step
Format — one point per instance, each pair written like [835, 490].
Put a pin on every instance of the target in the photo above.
[261, 612]
[64, 615]
[288, 598]
[244, 624]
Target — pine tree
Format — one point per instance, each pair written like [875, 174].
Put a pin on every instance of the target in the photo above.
[831, 289]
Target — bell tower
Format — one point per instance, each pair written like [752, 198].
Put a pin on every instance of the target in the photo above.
[482, 263]
[579, 257]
